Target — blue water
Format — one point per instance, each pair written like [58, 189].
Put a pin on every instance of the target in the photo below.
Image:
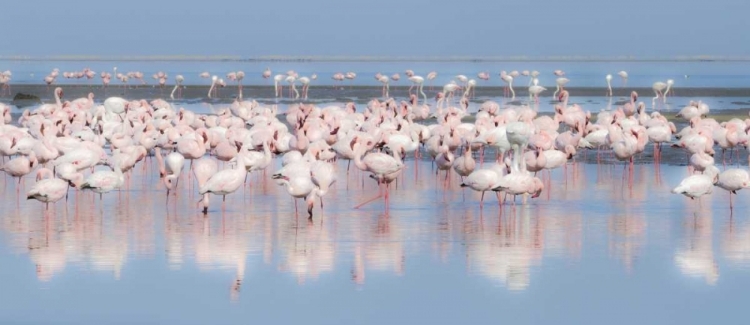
[589, 250]
[582, 74]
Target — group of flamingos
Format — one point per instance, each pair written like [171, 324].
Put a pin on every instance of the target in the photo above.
[291, 77]
[70, 138]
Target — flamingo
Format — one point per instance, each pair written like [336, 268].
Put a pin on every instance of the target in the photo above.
[379, 164]
[47, 188]
[431, 76]
[291, 80]
[465, 164]
[224, 182]
[203, 169]
[659, 89]
[20, 166]
[305, 81]
[483, 180]
[323, 175]
[609, 85]
[214, 81]
[338, 77]
[384, 80]
[670, 83]
[733, 180]
[300, 186]
[175, 162]
[535, 90]
[519, 183]
[419, 82]
[276, 84]
[508, 79]
[266, 73]
[350, 76]
[104, 181]
[695, 186]
[561, 82]
[624, 76]
[178, 86]
[470, 88]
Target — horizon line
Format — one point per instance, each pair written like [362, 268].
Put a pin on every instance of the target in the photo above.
[365, 58]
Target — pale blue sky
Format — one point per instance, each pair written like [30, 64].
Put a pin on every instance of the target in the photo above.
[383, 27]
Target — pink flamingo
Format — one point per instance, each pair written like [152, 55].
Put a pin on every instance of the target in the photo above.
[338, 77]
[484, 180]
[224, 182]
[47, 188]
[733, 180]
[379, 164]
[305, 81]
[20, 166]
[266, 73]
[178, 79]
[204, 168]
[278, 88]
[5, 81]
[350, 76]
[384, 80]
[431, 76]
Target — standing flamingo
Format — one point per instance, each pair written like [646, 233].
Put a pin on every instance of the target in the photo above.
[203, 169]
[624, 76]
[224, 182]
[20, 166]
[377, 163]
[561, 82]
[266, 73]
[384, 80]
[337, 77]
[47, 188]
[178, 79]
[291, 80]
[278, 89]
[733, 180]
[239, 75]
[350, 76]
[430, 77]
[508, 79]
[609, 85]
[419, 82]
[305, 81]
[658, 88]
[214, 81]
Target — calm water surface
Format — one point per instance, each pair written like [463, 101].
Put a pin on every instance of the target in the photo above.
[590, 250]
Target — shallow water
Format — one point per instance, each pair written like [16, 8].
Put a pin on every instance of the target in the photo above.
[592, 249]
[724, 74]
